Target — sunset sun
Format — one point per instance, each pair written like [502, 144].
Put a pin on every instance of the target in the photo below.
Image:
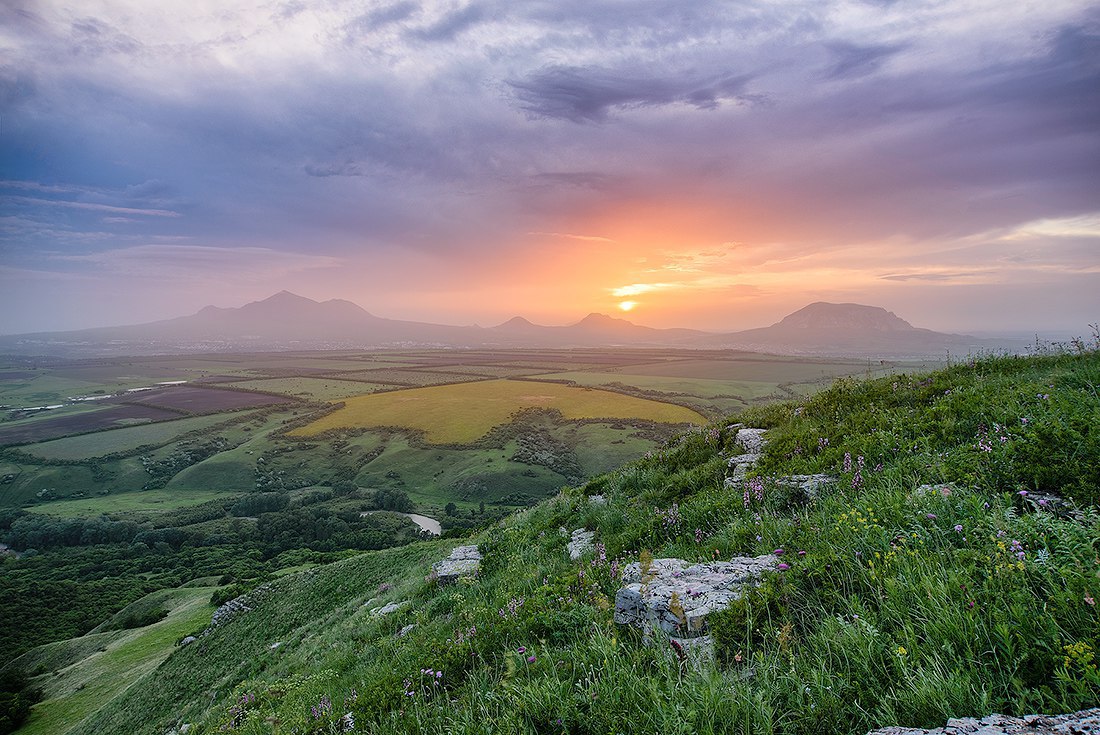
[627, 305]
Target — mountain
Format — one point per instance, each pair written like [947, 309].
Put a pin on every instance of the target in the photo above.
[822, 328]
[288, 321]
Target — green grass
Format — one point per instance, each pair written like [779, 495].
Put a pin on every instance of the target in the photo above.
[79, 690]
[97, 444]
[135, 502]
[461, 414]
[906, 608]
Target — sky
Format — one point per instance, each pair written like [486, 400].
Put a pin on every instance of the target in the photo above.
[709, 164]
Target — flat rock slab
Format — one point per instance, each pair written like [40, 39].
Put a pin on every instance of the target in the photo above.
[464, 561]
[580, 543]
[677, 596]
[1085, 722]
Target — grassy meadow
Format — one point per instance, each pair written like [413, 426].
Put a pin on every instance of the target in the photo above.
[462, 414]
[949, 570]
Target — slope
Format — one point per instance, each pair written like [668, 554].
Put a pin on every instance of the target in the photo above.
[930, 579]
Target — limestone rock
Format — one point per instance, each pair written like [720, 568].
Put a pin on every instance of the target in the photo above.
[676, 596]
[388, 608]
[464, 561]
[750, 440]
[406, 630]
[188, 640]
[810, 485]
[694, 654]
[580, 543]
[237, 606]
[1085, 722]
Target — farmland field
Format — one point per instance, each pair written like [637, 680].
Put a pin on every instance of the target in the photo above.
[97, 444]
[320, 389]
[460, 414]
[265, 421]
[98, 419]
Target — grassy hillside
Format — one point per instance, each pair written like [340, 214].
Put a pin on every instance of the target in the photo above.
[934, 578]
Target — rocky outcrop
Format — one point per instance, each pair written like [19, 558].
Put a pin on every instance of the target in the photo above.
[1085, 722]
[580, 543]
[464, 561]
[676, 596]
[237, 606]
[752, 442]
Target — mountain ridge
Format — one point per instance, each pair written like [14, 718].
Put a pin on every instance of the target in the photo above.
[287, 320]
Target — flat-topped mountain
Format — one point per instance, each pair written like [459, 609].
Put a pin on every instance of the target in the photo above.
[822, 328]
[823, 315]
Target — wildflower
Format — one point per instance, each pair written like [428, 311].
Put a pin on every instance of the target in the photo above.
[1022, 493]
[930, 516]
[521, 649]
[1089, 600]
[802, 553]
[778, 552]
[784, 567]
[902, 651]
[958, 528]
[531, 659]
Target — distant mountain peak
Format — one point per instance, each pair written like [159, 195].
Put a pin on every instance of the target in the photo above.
[597, 319]
[516, 322]
[824, 315]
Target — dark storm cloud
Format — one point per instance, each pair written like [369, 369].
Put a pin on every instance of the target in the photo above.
[587, 94]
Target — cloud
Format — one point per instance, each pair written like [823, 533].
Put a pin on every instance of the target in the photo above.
[202, 262]
[452, 24]
[571, 236]
[851, 60]
[580, 94]
[36, 201]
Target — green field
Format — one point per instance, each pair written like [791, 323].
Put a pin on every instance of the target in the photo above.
[452, 397]
[97, 444]
[460, 414]
[135, 502]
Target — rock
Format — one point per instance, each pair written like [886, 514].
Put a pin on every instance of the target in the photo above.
[1085, 722]
[188, 640]
[580, 543]
[597, 500]
[237, 606]
[676, 596]
[388, 608]
[276, 645]
[464, 561]
[695, 654]
[810, 485]
[752, 441]
[406, 630]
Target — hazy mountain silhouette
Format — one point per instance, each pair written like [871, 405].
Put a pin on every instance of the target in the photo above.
[288, 321]
[846, 329]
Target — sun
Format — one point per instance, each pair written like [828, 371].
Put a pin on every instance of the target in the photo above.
[627, 305]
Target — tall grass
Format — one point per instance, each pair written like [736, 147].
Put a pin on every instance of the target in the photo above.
[932, 579]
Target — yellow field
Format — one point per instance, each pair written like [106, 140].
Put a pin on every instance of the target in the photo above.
[460, 414]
